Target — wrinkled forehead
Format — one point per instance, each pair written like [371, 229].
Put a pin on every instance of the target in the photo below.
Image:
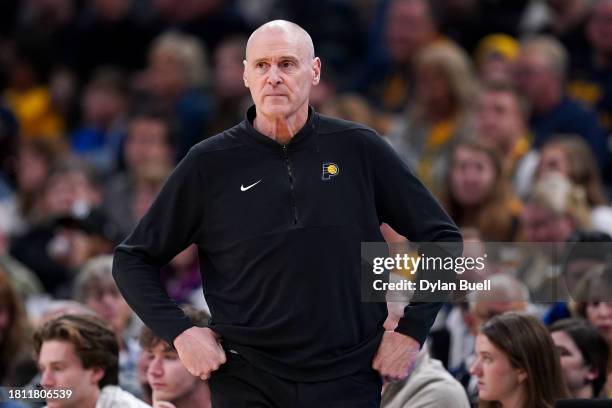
[277, 42]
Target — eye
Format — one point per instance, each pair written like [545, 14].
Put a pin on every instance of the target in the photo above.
[287, 64]
[260, 65]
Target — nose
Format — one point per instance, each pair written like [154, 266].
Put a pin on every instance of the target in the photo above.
[273, 76]
[155, 367]
[476, 368]
[46, 379]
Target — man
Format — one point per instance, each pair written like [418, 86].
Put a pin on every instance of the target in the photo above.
[430, 384]
[501, 119]
[540, 73]
[584, 356]
[387, 81]
[171, 383]
[80, 353]
[278, 207]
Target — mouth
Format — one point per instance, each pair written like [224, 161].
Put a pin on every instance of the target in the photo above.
[157, 386]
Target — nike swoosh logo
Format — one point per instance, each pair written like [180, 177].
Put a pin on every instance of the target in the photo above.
[243, 188]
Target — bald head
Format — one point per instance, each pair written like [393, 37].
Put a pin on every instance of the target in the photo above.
[291, 31]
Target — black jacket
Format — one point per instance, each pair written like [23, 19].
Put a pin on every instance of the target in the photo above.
[279, 230]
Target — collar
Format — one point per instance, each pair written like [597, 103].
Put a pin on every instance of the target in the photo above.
[300, 139]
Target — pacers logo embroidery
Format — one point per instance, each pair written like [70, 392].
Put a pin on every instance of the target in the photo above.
[330, 170]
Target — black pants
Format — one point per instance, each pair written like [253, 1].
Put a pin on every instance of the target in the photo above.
[239, 384]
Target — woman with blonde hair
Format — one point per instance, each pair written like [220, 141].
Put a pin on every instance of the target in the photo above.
[445, 87]
[554, 209]
[478, 194]
[517, 364]
[571, 156]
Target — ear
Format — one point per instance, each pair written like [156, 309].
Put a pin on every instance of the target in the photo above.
[316, 68]
[244, 75]
[522, 375]
[96, 375]
[592, 374]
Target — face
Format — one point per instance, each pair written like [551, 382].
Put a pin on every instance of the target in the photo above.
[472, 176]
[409, 27]
[553, 160]
[279, 72]
[498, 118]
[228, 72]
[167, 376]
[31, 170]
[542, 225]
[433, 89]
[67, 190]
[599, 29]
[167, 73]
[497, 379]
[575, 372]
[600, 315]
[106, 301]
[60, 367]
[146, 143]
[531, 74]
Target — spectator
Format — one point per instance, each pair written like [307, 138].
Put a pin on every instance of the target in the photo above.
[388, 81]
[429, 385]
[517, 370]
[540, 72]
[507, 294]
[16, 364]
[500, 118]
[28, 95]
[86, 349]
[591, 80]
[71, 190]
[177, 77]
[583, 251]
[104, 108]
[232, 97]
[568, 24]
[35, 160]
[593, 302]
[478, 194]
[571, 157]
[169, 379]
[149, 152]
[439, 114]
[96, 289]
[584, 357]
[554, 209]
[494, 57]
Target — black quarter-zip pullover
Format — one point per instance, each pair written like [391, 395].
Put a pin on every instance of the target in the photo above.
[278, 230]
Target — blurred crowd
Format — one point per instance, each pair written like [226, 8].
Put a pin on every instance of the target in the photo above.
[503, 108]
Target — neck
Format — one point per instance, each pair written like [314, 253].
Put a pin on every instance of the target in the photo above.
[281, 128]
[198, 397]
[548, 100]
[514, 400]
[585, 392]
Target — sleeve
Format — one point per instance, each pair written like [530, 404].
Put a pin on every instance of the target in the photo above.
[171, 224]
[404, 203]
